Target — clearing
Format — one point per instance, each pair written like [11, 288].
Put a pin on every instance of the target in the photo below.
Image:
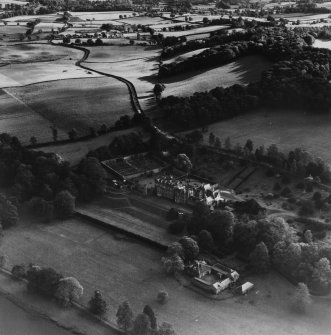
[124, 269]
[243, 71]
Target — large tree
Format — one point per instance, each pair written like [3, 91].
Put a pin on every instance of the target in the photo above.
[141, 325]
[64, 205]
[191, 248]
[152, 318]
[259, 258]
[68, 291]
[301, 299]
[124, 316]
[97, 304]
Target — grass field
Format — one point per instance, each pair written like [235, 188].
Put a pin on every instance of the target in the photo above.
[184, 56]
[126, 270]
[195, 31]
[20, 120]
[287, 129]
[124, 62]
[29, 53]
[322, 44]
[77, 103]
[245, 70]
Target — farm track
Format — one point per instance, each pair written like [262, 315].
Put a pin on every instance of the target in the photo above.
[132, 90]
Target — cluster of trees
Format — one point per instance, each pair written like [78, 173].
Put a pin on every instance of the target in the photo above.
[298, 162]
[50, 284]
[131, 143]
[299, 80]
[8, 212]
[185, 250]
[45, 181]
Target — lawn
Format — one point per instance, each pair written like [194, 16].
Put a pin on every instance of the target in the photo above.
[286, 129]
[20, 120]
[245, 70]
[77, 103]
[124, 269]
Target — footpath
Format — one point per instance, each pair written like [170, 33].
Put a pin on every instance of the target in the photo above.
[76, 319]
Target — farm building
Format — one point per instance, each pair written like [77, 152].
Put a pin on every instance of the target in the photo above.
[212, 278]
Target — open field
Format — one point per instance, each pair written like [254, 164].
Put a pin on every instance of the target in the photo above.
[20, 120]
[195, 31]
[86, 16]
[74, 152]
[245, 70]
[109, 54]
[126, 270]
[144, 20]
[121, 61]
[184, 56]
[77, 103]
[41, 52]
[287, 129]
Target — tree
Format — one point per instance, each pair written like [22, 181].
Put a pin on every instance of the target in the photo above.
[227, 144]
[158, 89]
[8, 214]
[322, 273]
[33, 140]
[221, 226]
[141, 325]
[301, 299]
[44, 281]
[150, 313]
[19, 271]
[259, 258]
[68, 291]
[54, 133]
[166, 329]
[218, 144]
[249, 145]
[131, 42]
[175, 248]
[64, 205]
[206, 240]
[72, 134]
[97, 304]
[191, 248]
[211, 139]
[173, 264]
[124, 316]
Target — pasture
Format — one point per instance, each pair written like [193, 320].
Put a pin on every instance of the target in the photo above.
[97, 16]
[41, 52]
[194, 31]
[243, 71]
[122, 61]
[77, 103]
[18, 119]
[143, 20]
[287, 129]
[124, 269]
[184, 56]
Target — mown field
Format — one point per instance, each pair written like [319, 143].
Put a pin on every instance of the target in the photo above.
[124, 269]
[286, 129]
[20, 120]
[245, 70]
[77, 103]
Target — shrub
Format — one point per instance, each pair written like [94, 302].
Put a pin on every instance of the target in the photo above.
[176, 227]
[124, 316]
[19, 271]
[162, 297]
